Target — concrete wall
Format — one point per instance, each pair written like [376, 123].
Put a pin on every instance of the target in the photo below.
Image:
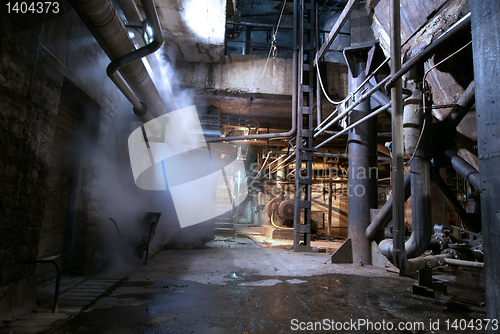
[28, 115]
[240, 74]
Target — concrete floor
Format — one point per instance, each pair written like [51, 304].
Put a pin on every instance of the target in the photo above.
[238, 285]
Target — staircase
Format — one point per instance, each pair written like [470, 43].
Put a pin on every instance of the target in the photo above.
[223, 224]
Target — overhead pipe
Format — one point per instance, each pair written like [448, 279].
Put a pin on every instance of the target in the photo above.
[106, 26]
[295, 61]
[119, 63]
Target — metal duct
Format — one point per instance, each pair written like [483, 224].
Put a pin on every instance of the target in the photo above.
[104, 23]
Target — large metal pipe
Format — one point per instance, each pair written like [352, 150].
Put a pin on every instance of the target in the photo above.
[384, 216]
[318, 84]
[470, 220]
[362, 149]
[399, 253]
[106, 26]
[416, 143]
[463, 168]
[134, 57]
[416, 138]
[485, 40]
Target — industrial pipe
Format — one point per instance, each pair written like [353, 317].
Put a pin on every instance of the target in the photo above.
[378, 96]
[416, 139]
[364, 119]
[136, 55]
[464, 168]
[106, 26]
[318, 84]
[469, 220]
[464, 263]
[130, 11]
[360, 100]
[399, 253]
[384, 216]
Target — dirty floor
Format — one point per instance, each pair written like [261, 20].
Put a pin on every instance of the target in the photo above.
[238, 286]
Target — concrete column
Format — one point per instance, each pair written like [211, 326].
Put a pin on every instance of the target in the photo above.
[485, 23]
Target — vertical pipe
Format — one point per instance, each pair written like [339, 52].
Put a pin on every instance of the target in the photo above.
[397, 178]
[330, 193]
[413, 119]
[247, 39]
[485, 40]
[361, 150]
[318, 85]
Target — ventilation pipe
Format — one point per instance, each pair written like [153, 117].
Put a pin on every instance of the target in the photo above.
[133, 80]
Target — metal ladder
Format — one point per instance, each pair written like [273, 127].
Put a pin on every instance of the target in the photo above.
[305, 125]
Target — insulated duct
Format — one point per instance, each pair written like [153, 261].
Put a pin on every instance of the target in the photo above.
[106, 26]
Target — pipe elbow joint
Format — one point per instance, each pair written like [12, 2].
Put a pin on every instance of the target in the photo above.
[141, 112]
[385, 247]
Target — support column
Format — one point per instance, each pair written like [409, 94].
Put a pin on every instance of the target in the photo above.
[485, 23]
[362, 148]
